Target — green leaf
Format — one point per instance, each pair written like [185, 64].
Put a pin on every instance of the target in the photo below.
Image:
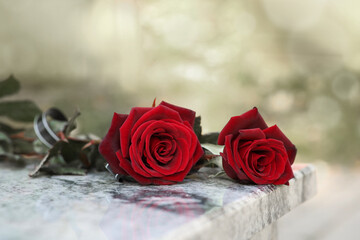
[57, 160]
[95, 158]
[64, 170]
[23, 110]
[5, 143]
[9, 86]
[210, 138]
[22, 146]
[4, 137]
[197, 127]
[8, 129]
[57, 126]
[213, 148]
[13, 158]
[70, 151]
[63, 158]
[218, 174]
[39, 147]
[2, 151]
[55, 150]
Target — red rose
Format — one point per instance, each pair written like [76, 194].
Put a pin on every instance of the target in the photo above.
[254, 152]
[153, 145]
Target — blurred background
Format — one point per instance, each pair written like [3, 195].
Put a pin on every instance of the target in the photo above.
[297, 61]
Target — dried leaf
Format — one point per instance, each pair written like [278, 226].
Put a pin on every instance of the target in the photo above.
[9, 86]
[71, 124]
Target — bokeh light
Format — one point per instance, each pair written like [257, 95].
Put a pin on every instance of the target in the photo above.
[297, 61]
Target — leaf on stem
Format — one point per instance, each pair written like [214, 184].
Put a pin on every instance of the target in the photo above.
[197, 127]
[71, 124]
[21, 110]
[9, 86]
[55, 150]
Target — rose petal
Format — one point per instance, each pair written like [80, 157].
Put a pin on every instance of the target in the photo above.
[142, 136]
[179, 177]
[243, 178]
[194, 139]
[111, 143]
[248, 120]
[275, 133]
[138, 163]
[198, 152]
[173, 165]
[183, 138]
[286, 176]
[186, 114]
[186, 157]
[228, 151]
[251, 134]
[247, 165]
[163, 150]
[158, 113]
[227, 168]
[277, 165]
[125, 129]
[138, 148]
[125, 164]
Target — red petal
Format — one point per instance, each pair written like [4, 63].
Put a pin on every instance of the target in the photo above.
[111, 143]
[158, 113]
[197, 153]
[135, 114]
[125, 164]
[186, 114]
[228, 152]
[248, 120]
[179, 177]
[227, 168]
[251, 134]
[232, 160]
[275, 133]
[286, 176]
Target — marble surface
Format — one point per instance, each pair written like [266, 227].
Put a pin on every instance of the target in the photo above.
[97, 207]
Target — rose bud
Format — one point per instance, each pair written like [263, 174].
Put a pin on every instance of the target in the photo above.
[254, 152]
[153, 145]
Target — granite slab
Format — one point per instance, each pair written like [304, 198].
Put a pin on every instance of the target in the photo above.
[95, 206]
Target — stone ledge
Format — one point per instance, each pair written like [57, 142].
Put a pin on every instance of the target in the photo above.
[250, 214]
[97, 207]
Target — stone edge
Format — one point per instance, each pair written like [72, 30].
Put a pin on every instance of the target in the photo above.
[233, 220]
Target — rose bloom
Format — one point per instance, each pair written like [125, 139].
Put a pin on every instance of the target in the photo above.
[153, 145]
[254, 152]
